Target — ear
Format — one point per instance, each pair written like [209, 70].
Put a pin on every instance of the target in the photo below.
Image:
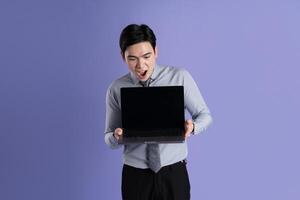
[123, 56]
[156, 52]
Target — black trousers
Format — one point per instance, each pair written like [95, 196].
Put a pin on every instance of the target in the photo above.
[170, 183]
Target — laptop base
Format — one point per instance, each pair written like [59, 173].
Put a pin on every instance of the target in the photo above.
[151, 140]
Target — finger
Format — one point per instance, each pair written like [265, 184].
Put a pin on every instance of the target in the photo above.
[187, 135]
[189, 126]
[118, 132]
[189, 121]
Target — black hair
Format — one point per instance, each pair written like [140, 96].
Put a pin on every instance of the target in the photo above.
[133, 34]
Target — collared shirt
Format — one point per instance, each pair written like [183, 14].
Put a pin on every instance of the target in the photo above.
[135, 154]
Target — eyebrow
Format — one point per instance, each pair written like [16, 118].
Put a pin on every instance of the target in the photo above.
[146, 54]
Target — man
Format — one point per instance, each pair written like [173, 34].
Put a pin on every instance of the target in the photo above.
[140, 181]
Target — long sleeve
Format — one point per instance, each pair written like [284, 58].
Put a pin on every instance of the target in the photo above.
[195, 104]
[135, 154]
[113, 119]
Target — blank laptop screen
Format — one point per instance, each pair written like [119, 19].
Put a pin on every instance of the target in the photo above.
[152, 108]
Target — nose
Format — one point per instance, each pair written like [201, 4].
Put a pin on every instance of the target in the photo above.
[139, 64]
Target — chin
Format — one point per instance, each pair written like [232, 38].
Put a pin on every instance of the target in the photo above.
[142, 79]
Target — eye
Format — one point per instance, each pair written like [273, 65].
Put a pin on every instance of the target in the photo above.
[132, 59]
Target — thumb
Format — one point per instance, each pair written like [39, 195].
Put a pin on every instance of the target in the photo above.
[119, 131]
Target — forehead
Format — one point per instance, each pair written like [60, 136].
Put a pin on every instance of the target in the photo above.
[139, 49]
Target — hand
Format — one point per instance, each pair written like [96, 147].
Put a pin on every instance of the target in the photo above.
[118, 133]
[189, 127]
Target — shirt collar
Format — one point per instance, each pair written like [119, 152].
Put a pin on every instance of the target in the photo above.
[154, 75]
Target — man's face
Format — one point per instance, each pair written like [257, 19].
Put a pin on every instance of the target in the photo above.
[141, 59]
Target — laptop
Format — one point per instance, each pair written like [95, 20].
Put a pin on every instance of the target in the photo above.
[152, 114]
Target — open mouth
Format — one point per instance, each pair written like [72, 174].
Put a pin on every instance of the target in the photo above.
[142, 74]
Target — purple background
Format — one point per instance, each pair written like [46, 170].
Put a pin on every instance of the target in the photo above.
[58, 58]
